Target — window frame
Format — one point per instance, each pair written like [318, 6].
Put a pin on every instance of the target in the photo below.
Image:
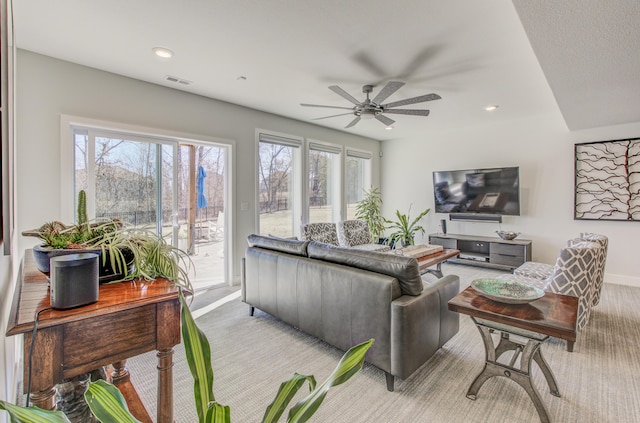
[67, 169]
[298, 170]
[337, 181]
[368, 173]
[302, 176]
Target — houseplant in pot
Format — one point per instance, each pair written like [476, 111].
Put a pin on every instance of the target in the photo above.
[368, 209]
[405, 231]
[125, 252]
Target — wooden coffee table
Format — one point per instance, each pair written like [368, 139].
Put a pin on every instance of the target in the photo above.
[552, 315]
[425, 263]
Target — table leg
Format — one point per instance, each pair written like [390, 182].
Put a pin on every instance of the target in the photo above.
[522, 376]
[486, 374]
[546, 371]
[165, 385]
[121, 378]
[437, 271]
[570, 346]
[44, 399]
[524, 380]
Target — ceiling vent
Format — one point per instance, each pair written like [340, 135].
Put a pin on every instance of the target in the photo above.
[177, 80]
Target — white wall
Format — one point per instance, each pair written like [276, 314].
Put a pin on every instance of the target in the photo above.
[543, 148]
[47, 88]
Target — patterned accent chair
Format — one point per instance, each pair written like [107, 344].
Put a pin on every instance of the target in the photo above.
[601, 260]
[543, 271]
[324, 232]
[355, 234]
[573, 274]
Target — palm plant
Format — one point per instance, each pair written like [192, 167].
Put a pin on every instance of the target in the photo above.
[404, 231]
[369, 210]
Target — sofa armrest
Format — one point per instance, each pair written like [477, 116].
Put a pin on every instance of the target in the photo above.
[447, 288]
[421, 324]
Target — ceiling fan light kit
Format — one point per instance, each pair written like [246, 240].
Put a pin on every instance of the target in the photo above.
[373, 108]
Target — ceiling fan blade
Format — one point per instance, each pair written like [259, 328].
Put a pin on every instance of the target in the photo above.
[344, 94]
[327, 117]
[414, 112]
[390, 88]
[328, 107]
[353, 122]
[413, 100]
[385, 120]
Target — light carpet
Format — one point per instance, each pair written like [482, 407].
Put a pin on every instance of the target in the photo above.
[252, 355]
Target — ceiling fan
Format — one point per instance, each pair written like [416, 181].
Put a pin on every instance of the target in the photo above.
[370, 109]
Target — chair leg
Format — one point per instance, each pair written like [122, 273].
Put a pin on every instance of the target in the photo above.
[252, 309]
[570, 346]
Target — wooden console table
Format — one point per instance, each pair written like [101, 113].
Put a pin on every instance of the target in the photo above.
[129, 318]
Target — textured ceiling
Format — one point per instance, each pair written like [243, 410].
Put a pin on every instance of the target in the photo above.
[590, 54]
[470, 52]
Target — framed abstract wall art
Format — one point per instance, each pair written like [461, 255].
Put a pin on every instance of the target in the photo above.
[607, 180]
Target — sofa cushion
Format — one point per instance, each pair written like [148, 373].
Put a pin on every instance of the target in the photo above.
[283, 245]
[405, 269]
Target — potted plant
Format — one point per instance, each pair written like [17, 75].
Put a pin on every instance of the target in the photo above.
[126, 253]
[368, 209]
[404, 231]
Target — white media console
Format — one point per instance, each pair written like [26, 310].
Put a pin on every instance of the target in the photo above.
[485, 251]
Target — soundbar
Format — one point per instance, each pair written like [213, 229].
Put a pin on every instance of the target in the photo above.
[473, 217]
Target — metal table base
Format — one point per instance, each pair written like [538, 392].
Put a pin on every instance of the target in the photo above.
[528, 352]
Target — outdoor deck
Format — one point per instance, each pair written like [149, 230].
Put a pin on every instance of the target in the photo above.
[208, 261]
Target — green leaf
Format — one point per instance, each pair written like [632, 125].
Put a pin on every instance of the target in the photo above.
[198, 354]
[349, 365]
[368, 209]
[218, 413]
[404, 230]
[284, 396]
[107, 403]
[32, 414]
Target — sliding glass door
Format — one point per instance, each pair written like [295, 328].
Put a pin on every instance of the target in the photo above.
[176, 189]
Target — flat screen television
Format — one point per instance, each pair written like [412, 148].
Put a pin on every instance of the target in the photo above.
[478, 191]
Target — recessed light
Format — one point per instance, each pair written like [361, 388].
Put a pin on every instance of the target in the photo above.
[388, 128]
[165, 53]
[491, 107]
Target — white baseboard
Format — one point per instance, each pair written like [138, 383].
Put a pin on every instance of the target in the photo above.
[622, 280]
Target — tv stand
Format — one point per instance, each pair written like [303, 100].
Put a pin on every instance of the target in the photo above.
[485, 251]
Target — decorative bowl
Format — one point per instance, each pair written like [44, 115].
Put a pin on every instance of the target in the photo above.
[507, 291]
[507, 235]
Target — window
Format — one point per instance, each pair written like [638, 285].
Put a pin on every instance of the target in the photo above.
[279, 185]
[324, 191]
[126, 177]
[292, 191]
[177, 187]
[358, 178]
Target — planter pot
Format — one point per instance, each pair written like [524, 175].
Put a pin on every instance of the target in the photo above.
[42, 255]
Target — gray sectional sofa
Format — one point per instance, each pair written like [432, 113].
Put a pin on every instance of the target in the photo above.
[345, 296]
